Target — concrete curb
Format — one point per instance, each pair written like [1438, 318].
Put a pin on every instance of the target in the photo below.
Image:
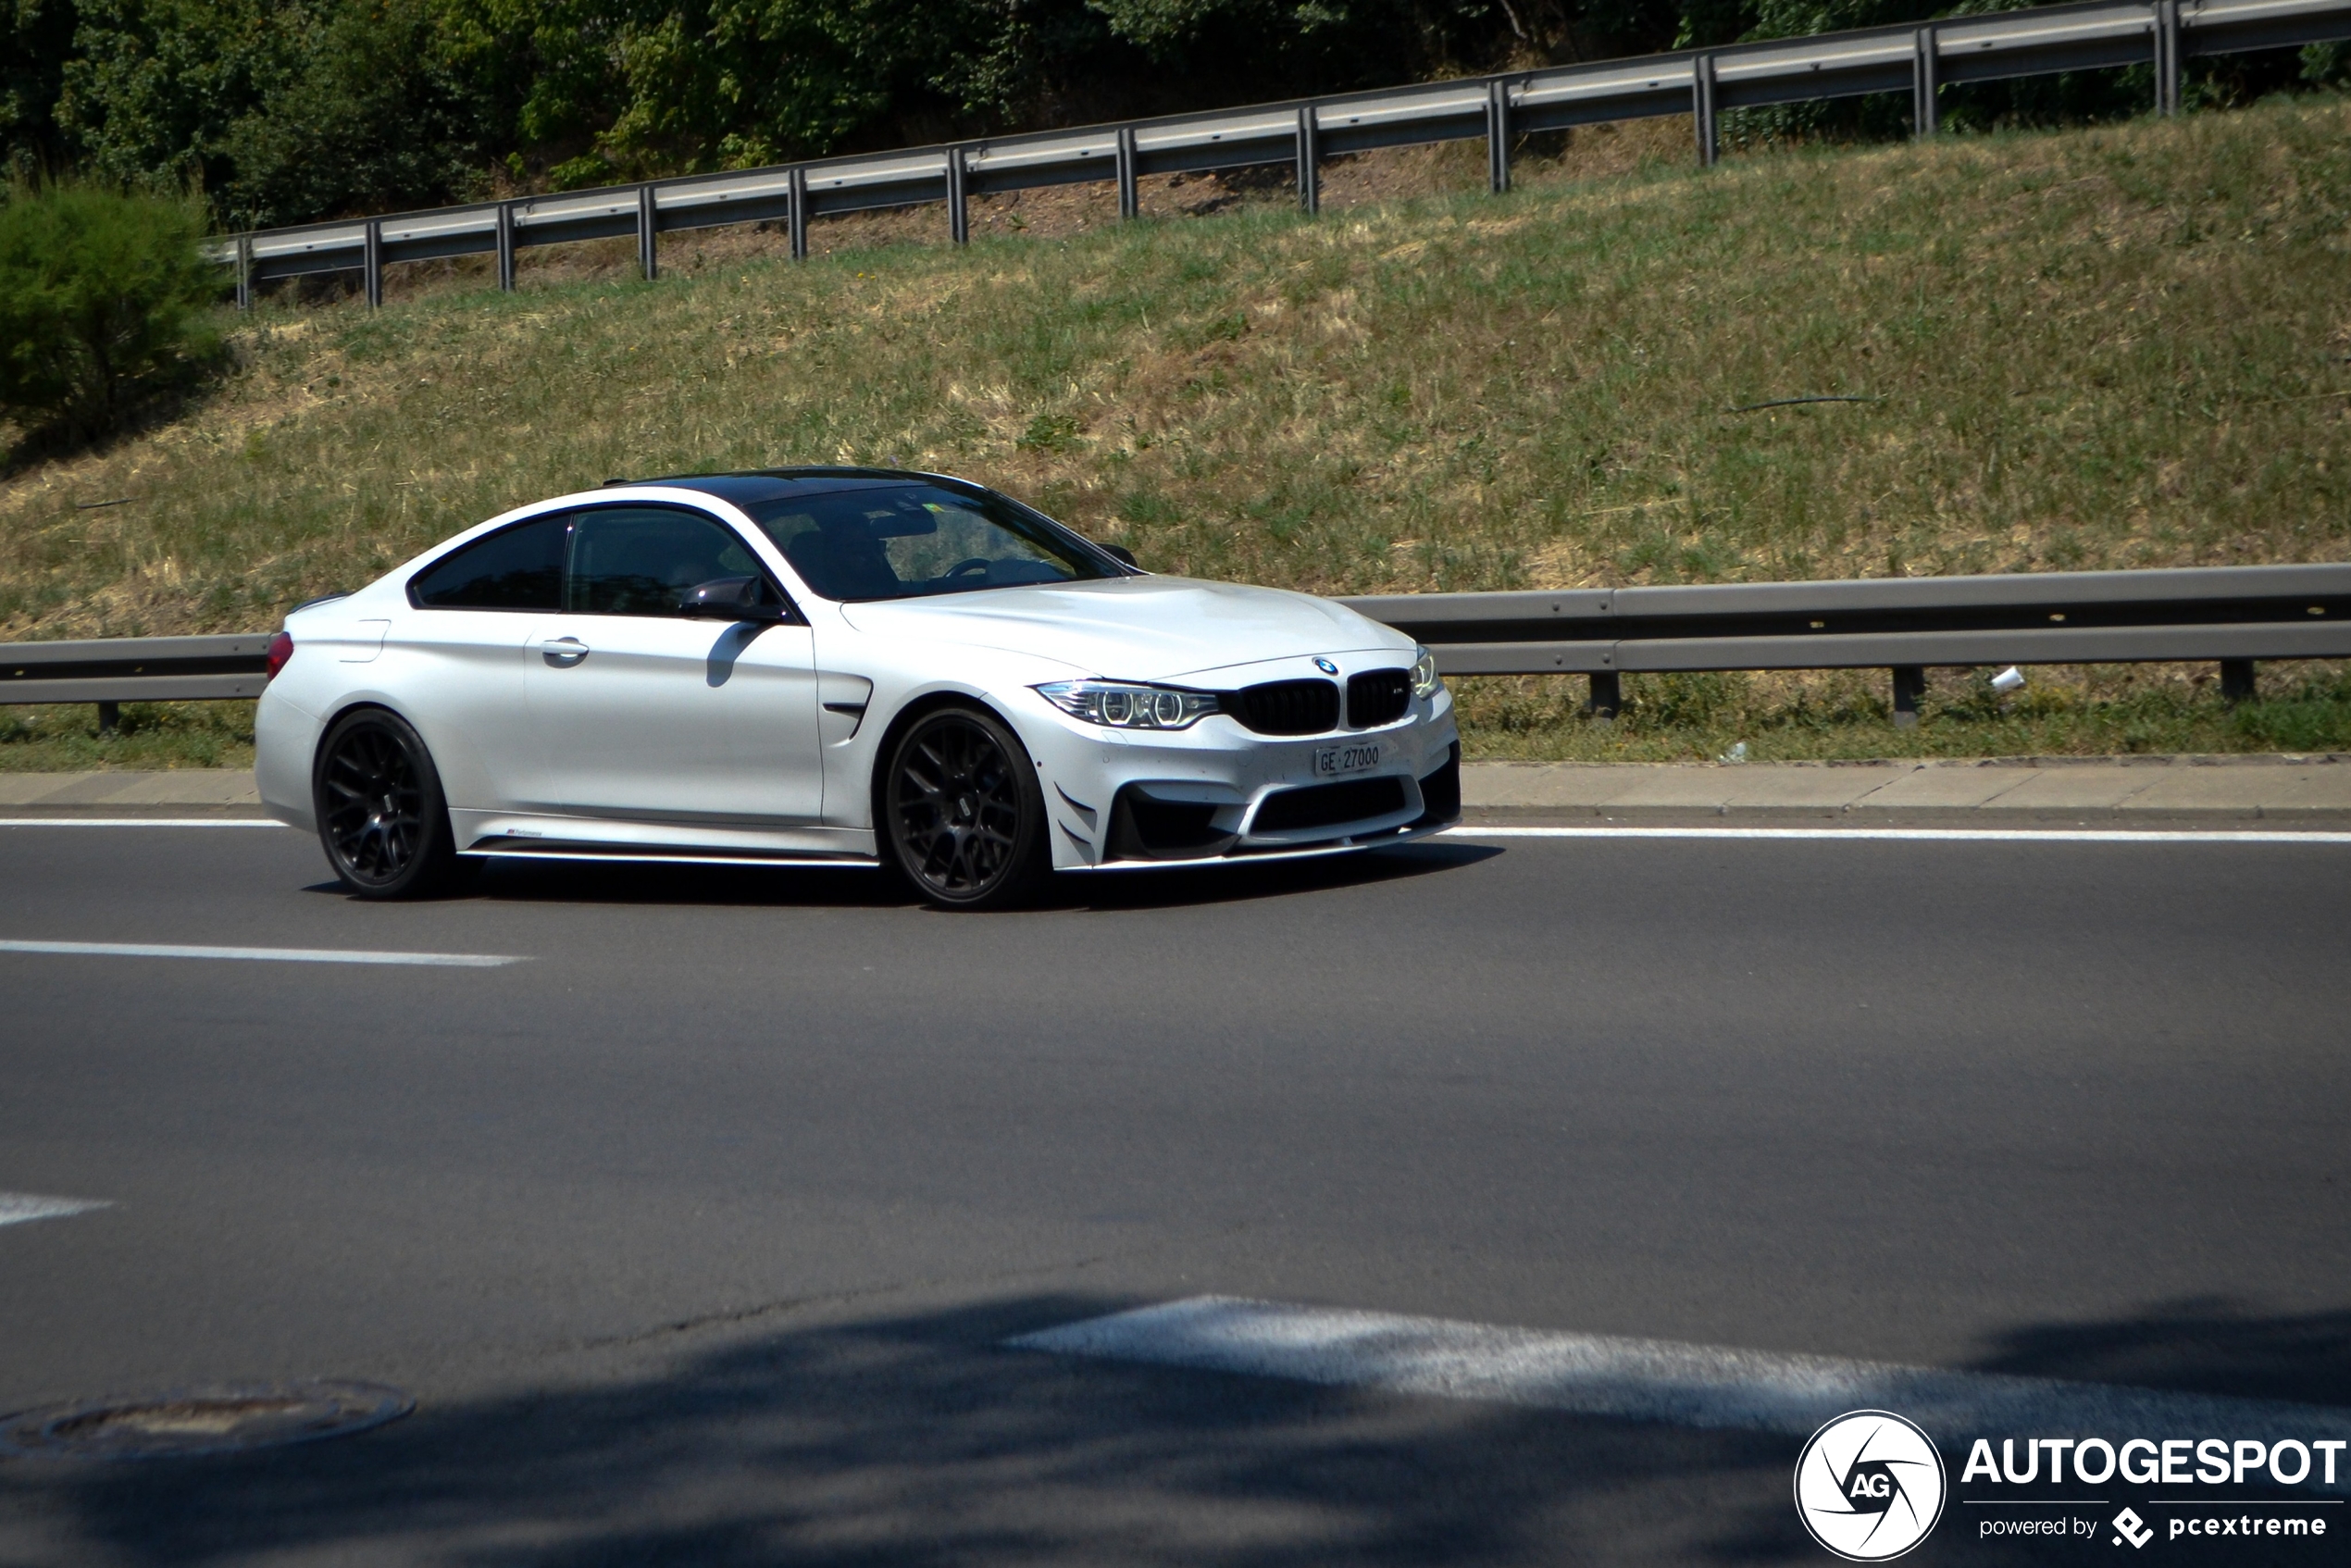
[2140, 791]
[181, 792]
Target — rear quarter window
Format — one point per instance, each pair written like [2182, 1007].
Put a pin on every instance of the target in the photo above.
[517, 568]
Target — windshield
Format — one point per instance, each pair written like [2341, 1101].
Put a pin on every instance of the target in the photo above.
[901, 541]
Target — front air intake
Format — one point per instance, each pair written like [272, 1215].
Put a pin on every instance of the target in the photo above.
[1329, 805]
[1289, 707]
[1143, 826]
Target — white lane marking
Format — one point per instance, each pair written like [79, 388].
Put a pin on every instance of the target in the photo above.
[138, 822]
[1948, 835]
[1646, 1379]
[18, 1207]
[263, 954]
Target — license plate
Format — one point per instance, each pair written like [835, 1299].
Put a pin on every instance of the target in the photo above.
[1337, 762]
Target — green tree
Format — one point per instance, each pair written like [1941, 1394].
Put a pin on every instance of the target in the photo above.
[36, 38]
[1289, 48]
[103, 301]
[638, 87]
[284, 110]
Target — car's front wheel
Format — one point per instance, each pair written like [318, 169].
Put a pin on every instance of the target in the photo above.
[381, 817]
[963, 811]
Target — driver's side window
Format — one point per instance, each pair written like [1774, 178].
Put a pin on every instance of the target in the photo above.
[642, 560]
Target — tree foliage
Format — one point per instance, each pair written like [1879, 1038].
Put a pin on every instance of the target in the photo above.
[287, 110]
[36, 39]
[103, 301]
[291, 109]
[282, 111]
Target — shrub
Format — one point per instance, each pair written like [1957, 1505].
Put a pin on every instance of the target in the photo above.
[104, 302]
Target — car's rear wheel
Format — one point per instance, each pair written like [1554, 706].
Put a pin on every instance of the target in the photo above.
[963, 813]
[381, 817]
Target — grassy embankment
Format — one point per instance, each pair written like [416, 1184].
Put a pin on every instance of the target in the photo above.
[2116, 347]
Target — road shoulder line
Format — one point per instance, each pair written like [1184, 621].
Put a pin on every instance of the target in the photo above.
[260, 954]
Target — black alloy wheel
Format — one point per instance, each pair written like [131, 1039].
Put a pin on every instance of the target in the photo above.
[963, 811]
[381, 817]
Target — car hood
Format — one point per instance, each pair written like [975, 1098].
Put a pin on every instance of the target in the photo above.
[1136, 628]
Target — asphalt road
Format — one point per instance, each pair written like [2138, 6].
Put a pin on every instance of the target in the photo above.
[697, 1233]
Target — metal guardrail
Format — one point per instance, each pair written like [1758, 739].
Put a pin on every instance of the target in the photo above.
[110, 671]
[2233, 615]
[1918, 58]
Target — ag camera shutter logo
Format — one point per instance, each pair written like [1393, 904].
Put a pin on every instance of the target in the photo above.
[1870, 1486]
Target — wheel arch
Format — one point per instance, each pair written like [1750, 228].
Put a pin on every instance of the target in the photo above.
[328, 724]
[913, 712]
[428, 862]
[455, 752]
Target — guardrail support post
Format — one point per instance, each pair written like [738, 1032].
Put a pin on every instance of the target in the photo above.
[1925, 117]
[2236, 681]
[1497, 136]
[1130, 200]
[244, 272]
[371, 262]
[506, 247]
[959, 217]
[1608, 694]
[796, 218]
[648, 249]
[2167, 57]
[1310, 163]
[1702, 109]
[1910, 685]
[109, 715]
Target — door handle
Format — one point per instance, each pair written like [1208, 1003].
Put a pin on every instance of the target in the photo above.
[563, 651]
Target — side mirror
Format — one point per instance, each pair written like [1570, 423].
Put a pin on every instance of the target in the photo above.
[1121, 553]
[731, 599]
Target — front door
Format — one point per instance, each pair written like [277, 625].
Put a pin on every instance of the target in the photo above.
[464, 656]
[643, 714]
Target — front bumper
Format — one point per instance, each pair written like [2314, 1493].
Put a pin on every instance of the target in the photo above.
[1217, 793]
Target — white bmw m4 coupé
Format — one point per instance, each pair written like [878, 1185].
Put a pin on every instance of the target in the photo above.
[837, 665]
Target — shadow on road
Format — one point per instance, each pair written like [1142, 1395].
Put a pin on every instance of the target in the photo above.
[1164, 889]
[916, 1439]
[2206, 1345]
[607, 882]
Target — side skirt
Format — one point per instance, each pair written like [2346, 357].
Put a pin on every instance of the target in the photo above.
[525, 851]
[580, 838]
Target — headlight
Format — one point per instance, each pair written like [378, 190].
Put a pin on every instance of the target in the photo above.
[1424, 681]
[1122, 705]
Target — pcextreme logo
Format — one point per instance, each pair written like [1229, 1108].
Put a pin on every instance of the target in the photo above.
[1870, 1486]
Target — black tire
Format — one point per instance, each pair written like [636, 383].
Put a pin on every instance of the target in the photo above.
[381, 817]
[961, 812]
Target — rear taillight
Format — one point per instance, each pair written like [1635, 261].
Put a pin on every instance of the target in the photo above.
[280, 649]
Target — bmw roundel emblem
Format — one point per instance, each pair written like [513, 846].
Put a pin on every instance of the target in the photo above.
[1325, 667]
